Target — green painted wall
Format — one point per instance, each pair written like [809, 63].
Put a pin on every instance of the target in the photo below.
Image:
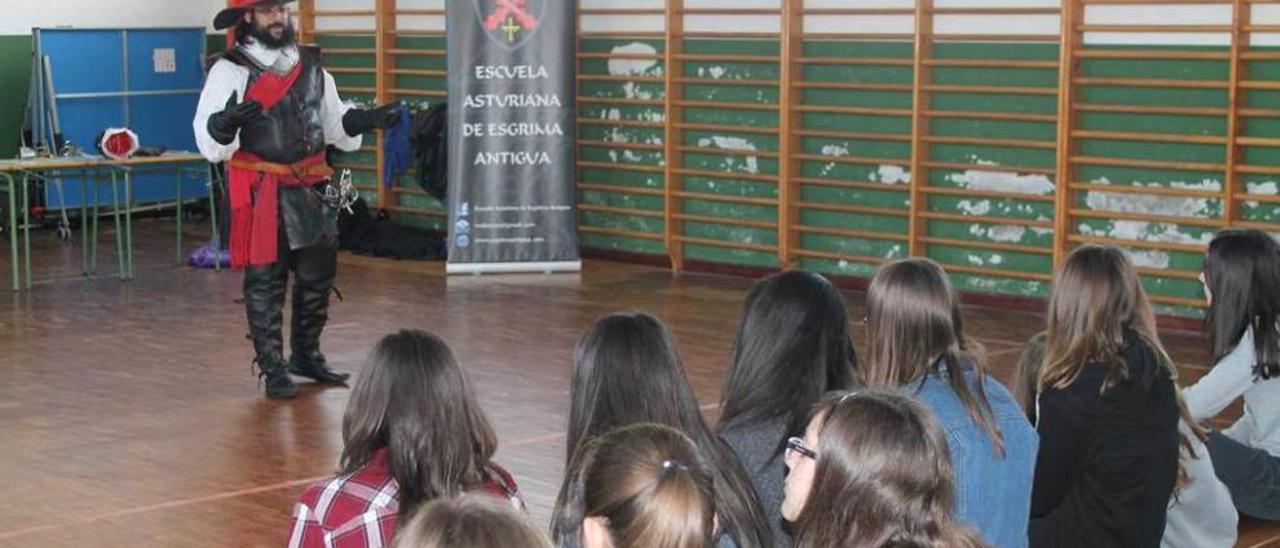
[15, 76]
[215, 43]
[881, 221]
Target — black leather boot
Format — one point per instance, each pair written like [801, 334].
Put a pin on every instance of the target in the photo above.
[264, 288]
[314, 367]
[314, 269]
[278, 383]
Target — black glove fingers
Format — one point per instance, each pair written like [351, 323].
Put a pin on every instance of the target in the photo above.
[248, 111]
[387, 114]
[223, 125]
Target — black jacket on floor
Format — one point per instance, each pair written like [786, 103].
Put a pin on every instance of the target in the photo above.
[363, 233]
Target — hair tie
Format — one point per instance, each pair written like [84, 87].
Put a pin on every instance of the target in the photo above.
[669, 465]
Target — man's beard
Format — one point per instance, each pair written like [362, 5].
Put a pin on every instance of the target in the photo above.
[264, 37]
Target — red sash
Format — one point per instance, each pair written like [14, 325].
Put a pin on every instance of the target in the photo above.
[255, 223]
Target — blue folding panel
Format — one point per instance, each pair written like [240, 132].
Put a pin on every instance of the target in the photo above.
[109, 78]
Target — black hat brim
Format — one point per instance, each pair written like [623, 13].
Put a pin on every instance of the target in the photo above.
[228, 18]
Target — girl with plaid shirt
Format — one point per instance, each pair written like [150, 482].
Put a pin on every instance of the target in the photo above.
[413, 432]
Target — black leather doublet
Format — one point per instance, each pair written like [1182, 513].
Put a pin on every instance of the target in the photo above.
[291, 129]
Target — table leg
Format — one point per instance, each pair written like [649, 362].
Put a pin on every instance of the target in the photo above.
[26, 231]
[128, 220]
[14, 265]
[84, 223]
[93, 253]
[115, 213]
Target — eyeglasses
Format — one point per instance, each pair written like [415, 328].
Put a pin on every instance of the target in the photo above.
[796, 445]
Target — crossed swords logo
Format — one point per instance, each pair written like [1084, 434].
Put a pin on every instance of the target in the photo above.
[513, 13]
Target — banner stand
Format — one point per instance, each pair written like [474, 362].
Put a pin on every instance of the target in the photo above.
[511, 268]
[511, 169]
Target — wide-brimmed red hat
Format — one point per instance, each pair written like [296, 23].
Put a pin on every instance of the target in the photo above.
[228, 17]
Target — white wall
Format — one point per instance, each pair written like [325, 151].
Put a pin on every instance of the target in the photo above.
[1184, 14]
[20, 16]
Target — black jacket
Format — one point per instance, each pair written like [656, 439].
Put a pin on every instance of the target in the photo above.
[1108, 461]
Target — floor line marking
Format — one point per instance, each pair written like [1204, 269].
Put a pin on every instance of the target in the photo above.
[90, 518]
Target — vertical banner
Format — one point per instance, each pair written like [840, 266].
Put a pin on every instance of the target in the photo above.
[511, 158]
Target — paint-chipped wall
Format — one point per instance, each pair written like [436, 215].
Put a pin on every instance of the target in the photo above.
[635, 124]
[842, 223]
[853, 193]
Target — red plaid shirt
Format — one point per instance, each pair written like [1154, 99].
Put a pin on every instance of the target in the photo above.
[361, 509]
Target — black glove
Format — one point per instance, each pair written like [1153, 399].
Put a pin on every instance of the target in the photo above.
[223, 125]
[359, 121]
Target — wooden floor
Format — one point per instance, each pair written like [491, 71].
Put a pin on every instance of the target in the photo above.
[129, 415]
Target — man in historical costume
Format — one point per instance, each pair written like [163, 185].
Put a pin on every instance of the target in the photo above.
[269, 109]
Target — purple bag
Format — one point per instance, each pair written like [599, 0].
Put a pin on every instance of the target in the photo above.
[209, 256]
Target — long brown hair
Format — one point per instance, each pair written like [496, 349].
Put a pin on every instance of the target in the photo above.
[914, 328]
[649, 482]
[477, 520]
[627, 370]
[883, 477]
[1026, 374]
[1096, 309]
[414, 400]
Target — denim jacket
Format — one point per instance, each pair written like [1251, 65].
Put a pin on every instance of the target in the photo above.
[993, 492]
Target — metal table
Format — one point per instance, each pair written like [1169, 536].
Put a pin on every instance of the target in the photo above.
[100, 167]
